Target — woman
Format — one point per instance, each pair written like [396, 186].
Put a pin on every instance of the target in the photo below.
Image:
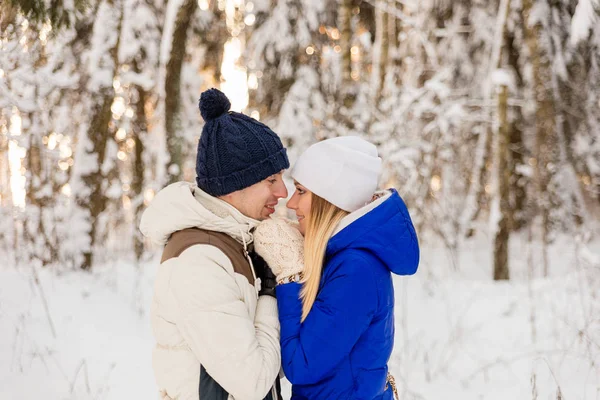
[335, 293]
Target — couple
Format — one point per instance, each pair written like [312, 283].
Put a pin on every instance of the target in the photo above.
[239, 294]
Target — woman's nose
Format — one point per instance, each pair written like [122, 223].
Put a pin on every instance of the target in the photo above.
[292, 203]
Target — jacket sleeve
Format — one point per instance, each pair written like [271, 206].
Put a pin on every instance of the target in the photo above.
[341, 313]
[241, 354]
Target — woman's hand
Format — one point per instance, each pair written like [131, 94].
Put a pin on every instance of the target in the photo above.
[281, 245]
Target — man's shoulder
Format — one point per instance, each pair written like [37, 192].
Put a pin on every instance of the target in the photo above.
[184, 239]
[227, 246]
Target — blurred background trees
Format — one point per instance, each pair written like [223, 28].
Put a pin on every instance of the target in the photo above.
[486, 114]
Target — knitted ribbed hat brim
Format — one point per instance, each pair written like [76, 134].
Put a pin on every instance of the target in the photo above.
[222, 185]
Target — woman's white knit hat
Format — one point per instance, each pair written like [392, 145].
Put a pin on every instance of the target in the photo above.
[344, 171]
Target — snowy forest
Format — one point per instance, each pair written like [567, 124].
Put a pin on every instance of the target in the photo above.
[486, 115]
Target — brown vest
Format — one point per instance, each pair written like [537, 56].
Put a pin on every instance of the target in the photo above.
[181, 240]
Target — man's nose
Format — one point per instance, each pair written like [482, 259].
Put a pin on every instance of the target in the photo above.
[281, 191]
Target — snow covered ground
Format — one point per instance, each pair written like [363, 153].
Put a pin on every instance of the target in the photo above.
[459, 335]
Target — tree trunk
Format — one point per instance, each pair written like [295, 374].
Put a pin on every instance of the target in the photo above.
[8, 231]
[576, 108]
[175, 138]
[98, 135]
[385, 50]
[544, 123]
[517, 148]
[477, 190]
[345, 24]
[5, 192]
[503, 173]
[214, 38]
[139, 129]
[380, 53]
[501, 271]
[347, 90]
[394, 27]
[34, 230]
[39, 190]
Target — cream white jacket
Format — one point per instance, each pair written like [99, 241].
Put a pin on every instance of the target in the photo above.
[203, 313]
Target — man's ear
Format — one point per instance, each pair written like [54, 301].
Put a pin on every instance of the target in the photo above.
[228, 198]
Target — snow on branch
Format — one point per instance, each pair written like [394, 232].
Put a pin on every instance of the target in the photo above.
[583, 20]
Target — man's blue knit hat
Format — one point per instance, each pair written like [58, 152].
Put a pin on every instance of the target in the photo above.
[234, 151]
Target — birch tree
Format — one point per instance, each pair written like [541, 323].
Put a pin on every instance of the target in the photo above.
[96, 151]
[172, 85]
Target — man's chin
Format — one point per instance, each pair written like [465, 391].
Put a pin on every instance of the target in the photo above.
[264, 216]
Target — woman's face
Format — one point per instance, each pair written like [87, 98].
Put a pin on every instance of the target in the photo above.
[300, 203]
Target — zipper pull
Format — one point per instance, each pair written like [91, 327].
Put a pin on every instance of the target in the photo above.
[257, 285]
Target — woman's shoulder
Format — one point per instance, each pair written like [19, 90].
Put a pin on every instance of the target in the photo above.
[360, 270]
[352, 262]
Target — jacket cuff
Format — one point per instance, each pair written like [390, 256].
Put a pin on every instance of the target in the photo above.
[288, 301]
[267, 307]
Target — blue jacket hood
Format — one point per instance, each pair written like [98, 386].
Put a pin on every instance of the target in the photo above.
[386, 232]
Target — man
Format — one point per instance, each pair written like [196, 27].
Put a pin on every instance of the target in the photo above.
[214, 313]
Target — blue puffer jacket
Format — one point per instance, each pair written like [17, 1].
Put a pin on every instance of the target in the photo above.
[342, 348]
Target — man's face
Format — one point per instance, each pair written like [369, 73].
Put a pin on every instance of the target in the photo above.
[259, 200]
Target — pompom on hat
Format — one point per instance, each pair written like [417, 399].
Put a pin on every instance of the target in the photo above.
[213, 103]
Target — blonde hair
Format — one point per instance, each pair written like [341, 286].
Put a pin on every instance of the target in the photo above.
[323, 219]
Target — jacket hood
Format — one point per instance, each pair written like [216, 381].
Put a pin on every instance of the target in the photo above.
[183, 205]
[382, 228]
